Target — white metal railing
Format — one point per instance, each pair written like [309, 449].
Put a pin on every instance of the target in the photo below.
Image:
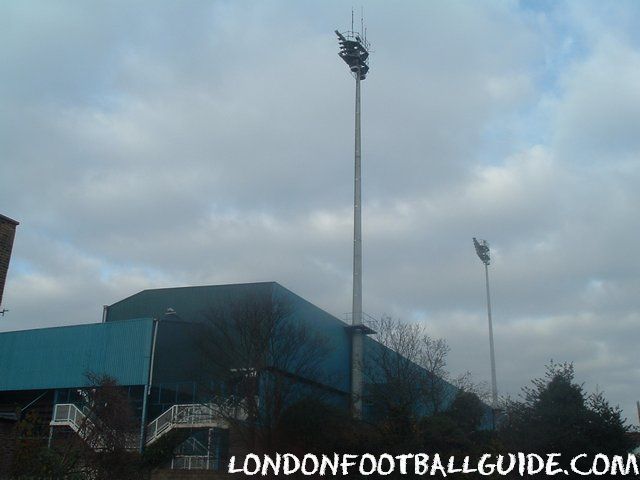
[366, 318]
[192, 446]
[194, 415]
[68, 414]
[191, 462]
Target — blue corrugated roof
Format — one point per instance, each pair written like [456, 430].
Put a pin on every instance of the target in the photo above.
[60, 357]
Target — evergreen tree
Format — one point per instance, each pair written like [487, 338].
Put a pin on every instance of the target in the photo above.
[556, 415]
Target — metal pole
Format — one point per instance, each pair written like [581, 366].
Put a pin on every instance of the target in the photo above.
[494, 383]
[147, 389]
[143, 419]
[55, 401]
[356, 317]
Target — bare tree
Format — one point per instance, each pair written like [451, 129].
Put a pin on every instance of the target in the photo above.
[434, 360]
[466, 383]
[104, 445]
[266, 356]
[407, 371]
[109, 430]
[394, 376]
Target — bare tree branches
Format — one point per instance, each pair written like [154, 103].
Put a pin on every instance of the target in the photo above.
[266, 356]
[103, 446]
[466, 383]
[110, 431]
[407, 371]
[393, 372]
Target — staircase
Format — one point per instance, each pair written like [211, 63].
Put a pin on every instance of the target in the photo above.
[192, 455]
[197, 415]
[89, 429]
[67, 414]
[194, 415]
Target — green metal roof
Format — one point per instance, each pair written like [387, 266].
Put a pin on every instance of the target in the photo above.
[189, 303]
[60, 357]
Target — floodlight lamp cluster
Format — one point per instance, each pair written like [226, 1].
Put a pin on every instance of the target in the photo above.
[354, 50]
[482, 249]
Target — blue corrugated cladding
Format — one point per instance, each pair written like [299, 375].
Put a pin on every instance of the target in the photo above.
[191, 304]
[337, 363]
[194, 304]
[60, 357]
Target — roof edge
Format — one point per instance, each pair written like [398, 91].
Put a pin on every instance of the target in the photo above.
[271, 282]
[78, 325]
[9, 220]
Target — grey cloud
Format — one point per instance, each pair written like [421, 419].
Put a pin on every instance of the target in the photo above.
[147, 146]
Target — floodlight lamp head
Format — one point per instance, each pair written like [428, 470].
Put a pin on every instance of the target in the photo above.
[354, 50]
[482, 249]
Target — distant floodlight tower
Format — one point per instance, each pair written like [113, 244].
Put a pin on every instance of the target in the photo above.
[354, 50]
[482, 249]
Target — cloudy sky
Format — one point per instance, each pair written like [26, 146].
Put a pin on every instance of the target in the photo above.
[150, 144]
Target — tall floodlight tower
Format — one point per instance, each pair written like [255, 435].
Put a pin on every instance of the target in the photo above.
[482, 249]
[354, 50]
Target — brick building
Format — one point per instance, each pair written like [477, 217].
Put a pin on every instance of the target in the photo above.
[7, 234]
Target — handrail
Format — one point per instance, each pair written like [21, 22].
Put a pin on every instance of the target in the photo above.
[68, 414]
[366, 318]
[191, 415]
[191, 462]
[191, 446]
[219, 411]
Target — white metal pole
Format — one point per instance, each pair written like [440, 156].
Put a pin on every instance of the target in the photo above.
[356, 317]
[147, 389]
[494, 383]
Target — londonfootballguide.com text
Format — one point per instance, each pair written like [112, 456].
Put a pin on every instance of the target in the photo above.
[432, 465]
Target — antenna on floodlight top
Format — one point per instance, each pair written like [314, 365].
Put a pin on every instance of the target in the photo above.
[354, 51]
